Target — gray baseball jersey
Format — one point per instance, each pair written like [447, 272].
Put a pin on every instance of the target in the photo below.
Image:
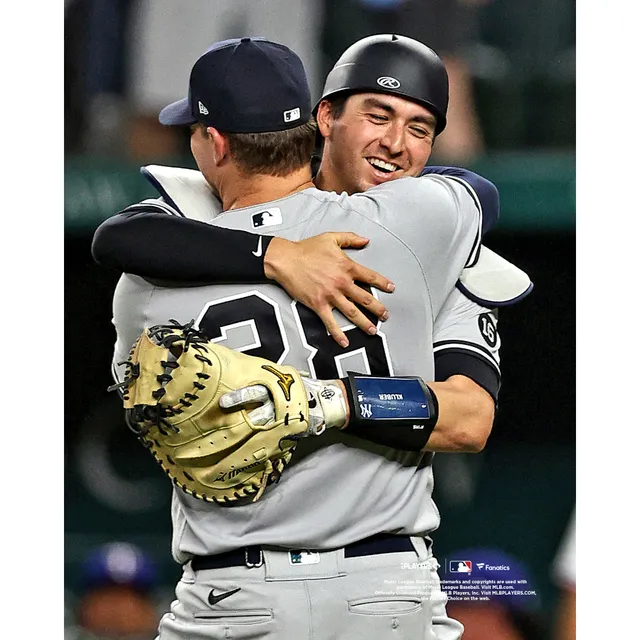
[338, 489]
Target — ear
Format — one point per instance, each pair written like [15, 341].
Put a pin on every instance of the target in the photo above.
[219, 143]
[324, 118]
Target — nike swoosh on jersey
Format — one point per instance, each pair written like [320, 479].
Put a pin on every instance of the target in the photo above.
[258, 252]
[214, 599]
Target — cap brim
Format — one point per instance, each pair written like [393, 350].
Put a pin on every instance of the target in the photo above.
[177, 113]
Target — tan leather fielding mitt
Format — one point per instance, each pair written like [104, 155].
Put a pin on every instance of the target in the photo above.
[173, 383]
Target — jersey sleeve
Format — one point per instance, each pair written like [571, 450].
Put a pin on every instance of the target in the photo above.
[466, 342]
[437, 218]
[153, 241]
[485, 191]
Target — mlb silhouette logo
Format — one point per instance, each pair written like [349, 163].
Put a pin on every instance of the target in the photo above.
[292, 114]
[267, 218]
[460, 566]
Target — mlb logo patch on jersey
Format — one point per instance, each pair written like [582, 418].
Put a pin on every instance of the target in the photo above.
[460, 566]
[267, 218]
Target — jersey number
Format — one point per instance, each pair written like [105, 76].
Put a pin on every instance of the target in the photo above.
[488, 329]
[261, 332]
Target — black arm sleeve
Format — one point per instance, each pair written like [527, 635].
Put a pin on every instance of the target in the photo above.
[464, 363]
[157, 245]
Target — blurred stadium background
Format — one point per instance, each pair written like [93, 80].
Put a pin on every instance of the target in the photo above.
[518, 495]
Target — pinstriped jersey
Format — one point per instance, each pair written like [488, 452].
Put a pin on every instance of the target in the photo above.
[338, 488]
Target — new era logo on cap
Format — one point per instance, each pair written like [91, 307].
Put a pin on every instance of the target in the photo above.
[292, 114]
[202, 109]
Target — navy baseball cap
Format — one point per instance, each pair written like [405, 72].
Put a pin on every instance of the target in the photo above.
[244, 85]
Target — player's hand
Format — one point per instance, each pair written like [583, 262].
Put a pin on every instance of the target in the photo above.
[328, 406]
[320, 275]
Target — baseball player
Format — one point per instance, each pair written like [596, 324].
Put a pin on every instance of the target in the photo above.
[144, 241]
[376, 353]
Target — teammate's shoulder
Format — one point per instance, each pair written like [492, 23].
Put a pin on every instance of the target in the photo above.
[481, 190]
[185, 191]
[418, 191]
[320, 195]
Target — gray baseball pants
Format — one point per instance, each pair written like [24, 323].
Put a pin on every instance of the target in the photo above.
[301, 595]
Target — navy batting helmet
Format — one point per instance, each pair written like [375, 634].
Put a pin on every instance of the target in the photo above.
[388, 63]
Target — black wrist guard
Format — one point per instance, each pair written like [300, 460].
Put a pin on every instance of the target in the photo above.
[396, 412]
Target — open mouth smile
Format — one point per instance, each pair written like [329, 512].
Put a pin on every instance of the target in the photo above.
[383, 166]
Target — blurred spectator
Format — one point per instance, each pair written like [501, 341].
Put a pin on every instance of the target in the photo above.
[498, 617]
[523, 61]
[95, 74]
[166, 37]
[116, 600]
[447, 26]
[563, 573]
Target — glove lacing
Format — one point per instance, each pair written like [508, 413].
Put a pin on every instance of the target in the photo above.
[142, 418]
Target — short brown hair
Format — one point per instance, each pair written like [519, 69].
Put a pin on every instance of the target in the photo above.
[276, 153]
[337, 106]
[338, 103]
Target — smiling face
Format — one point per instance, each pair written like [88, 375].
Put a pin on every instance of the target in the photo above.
[376, 138]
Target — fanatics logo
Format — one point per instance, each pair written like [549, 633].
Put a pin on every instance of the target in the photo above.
[202, 109]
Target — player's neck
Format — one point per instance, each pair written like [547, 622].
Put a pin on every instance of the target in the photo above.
[328, 180]
[245, 191]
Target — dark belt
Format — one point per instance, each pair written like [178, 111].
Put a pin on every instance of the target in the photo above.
[252, 556]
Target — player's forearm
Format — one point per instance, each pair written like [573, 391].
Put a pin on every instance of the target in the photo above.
[458, 419]
[163, 247]
[465, 417]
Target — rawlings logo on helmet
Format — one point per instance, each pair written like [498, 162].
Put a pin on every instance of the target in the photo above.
[388, 82]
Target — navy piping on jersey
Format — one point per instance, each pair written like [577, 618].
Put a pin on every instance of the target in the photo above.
[491, 304]
[158, 185]
[152, 207]
[474, 254]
